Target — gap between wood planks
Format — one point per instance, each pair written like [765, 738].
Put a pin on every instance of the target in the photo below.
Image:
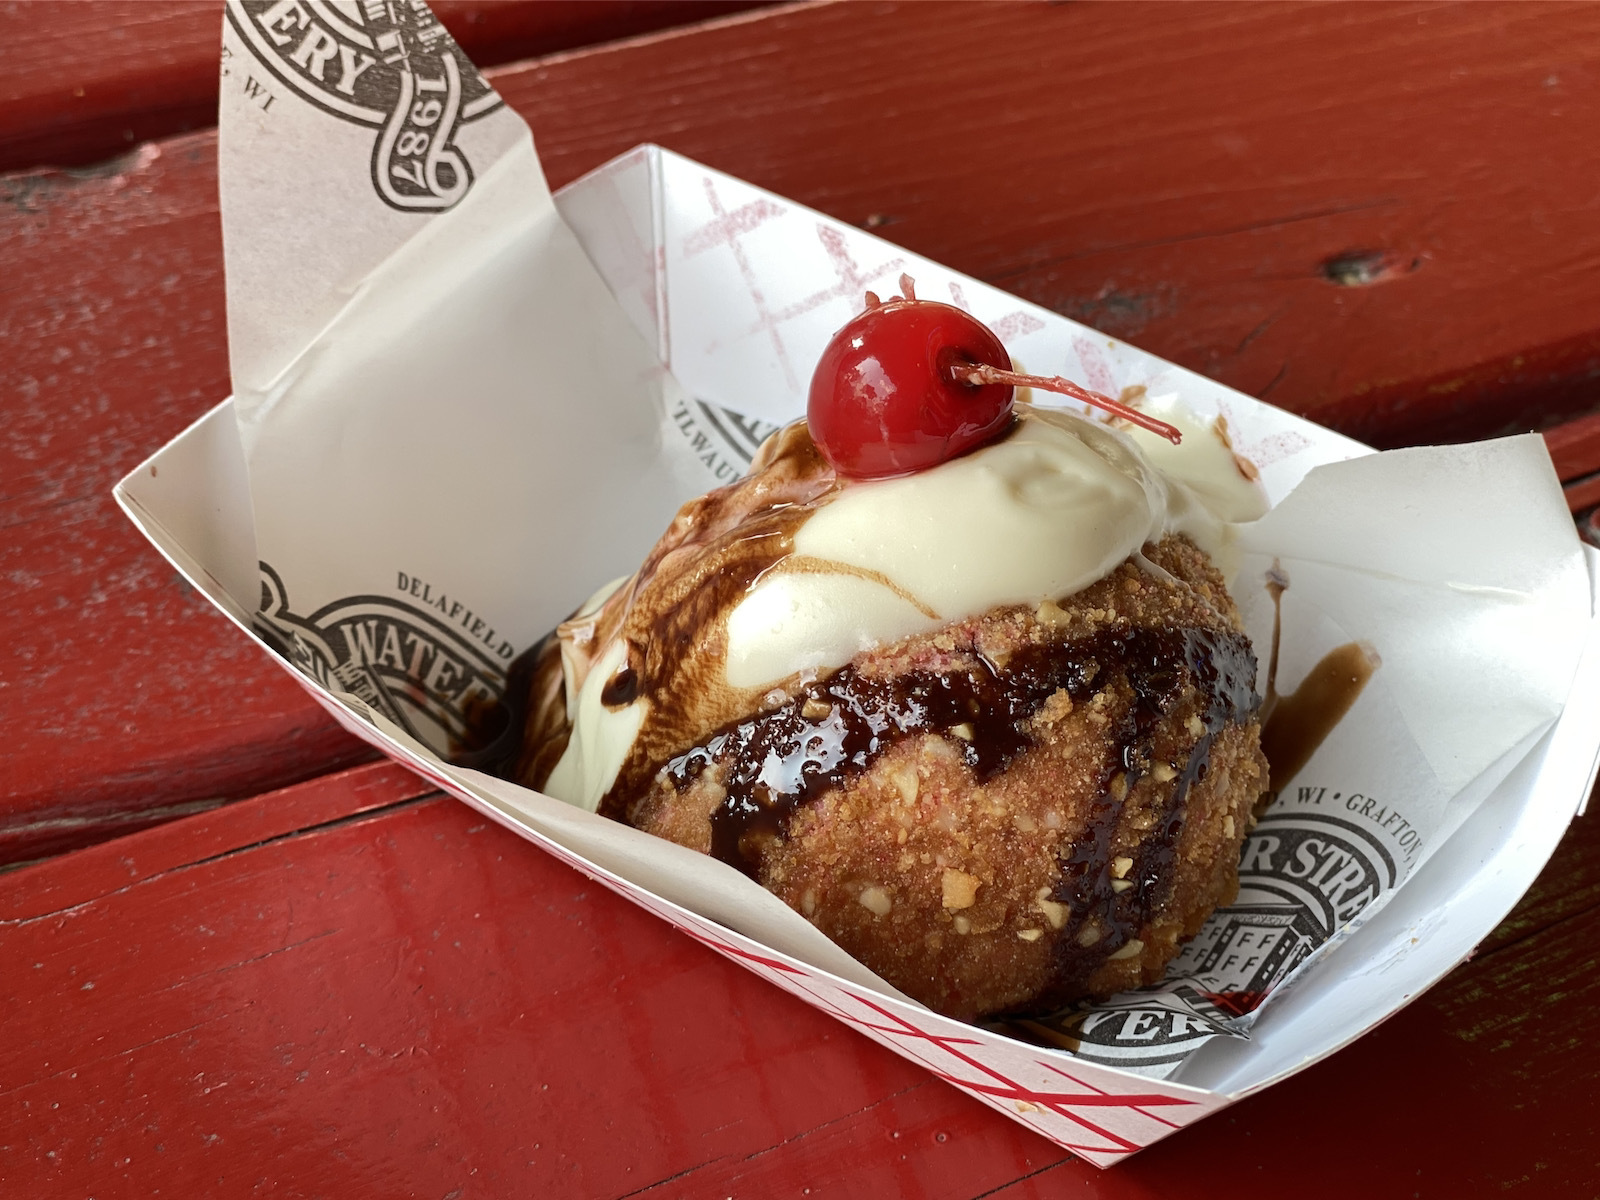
[801, 1136]
[1179, 239]
[73, 95]
[68, 1071]
[1004, 1187]
[291, 835]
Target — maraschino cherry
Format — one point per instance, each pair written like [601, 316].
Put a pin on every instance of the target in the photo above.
[909, 384]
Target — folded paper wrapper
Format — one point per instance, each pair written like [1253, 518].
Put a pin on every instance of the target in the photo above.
[459, 411]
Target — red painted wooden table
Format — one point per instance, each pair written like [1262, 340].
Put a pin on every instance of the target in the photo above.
[1379, 215]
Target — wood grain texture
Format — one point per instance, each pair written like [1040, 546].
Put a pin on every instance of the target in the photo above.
[124, 693]
[349, 988]
[81, 82]
[1194, 178]
[1364, 213]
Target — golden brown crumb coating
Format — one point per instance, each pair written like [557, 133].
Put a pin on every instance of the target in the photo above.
[1054, 803]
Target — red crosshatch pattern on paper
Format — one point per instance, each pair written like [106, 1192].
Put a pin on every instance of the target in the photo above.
[640, 264]
[1016, 325]
[850, 281]
[1009, 327]
[991, 1086]
[1097, 374]
[1273, 448]
[725, 229]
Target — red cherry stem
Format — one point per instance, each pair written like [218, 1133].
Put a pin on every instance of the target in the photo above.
[981, 375]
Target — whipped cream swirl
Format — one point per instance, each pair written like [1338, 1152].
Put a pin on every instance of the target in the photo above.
[1042, 513]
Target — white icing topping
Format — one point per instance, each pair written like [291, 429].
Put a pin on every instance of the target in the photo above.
[1204, 460]
[601, 736]
[1045, 512]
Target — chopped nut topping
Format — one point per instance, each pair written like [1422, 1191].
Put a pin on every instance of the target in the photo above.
[1030, 935]
[808, 902]
[1162, 772]
[1024, 823]
[960, 889]
[964, 731]
[1120, 866]
[1119, 786]
[1195, 726]
[815, 709]
[1057, 706]
[1121, 885]
[876, 901]
[963, 925]
[1132, 950]
[1050, 613]
[906, 781]
[1054, 911]
[1088, 935]
[1227, 825]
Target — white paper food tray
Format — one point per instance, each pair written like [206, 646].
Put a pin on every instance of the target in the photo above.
[735, 291]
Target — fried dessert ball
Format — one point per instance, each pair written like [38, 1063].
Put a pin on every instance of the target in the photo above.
[1021, 809]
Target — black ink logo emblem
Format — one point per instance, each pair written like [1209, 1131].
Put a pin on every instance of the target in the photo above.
[1302, 877]
[422, 667]
[724, 441]
[1150, 1031]
[388, 64]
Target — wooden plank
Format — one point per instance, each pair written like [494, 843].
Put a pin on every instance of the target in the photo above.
[1575, 447]
[123, 691]
[1583, 493]
[1166, 194]
[83, 82]
[401, 997]
[338, 796]
[1364, 213]
[1569, 885]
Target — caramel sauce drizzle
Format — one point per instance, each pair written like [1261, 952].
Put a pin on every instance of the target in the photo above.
[1294, 726]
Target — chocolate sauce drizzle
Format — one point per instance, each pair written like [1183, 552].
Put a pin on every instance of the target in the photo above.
[835, 728]
[1223, 669]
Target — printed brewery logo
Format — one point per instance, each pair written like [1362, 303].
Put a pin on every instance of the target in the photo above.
[721, 440]
[427, 662]
[387, 64]
[1302, 877]
[1151, 1032]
